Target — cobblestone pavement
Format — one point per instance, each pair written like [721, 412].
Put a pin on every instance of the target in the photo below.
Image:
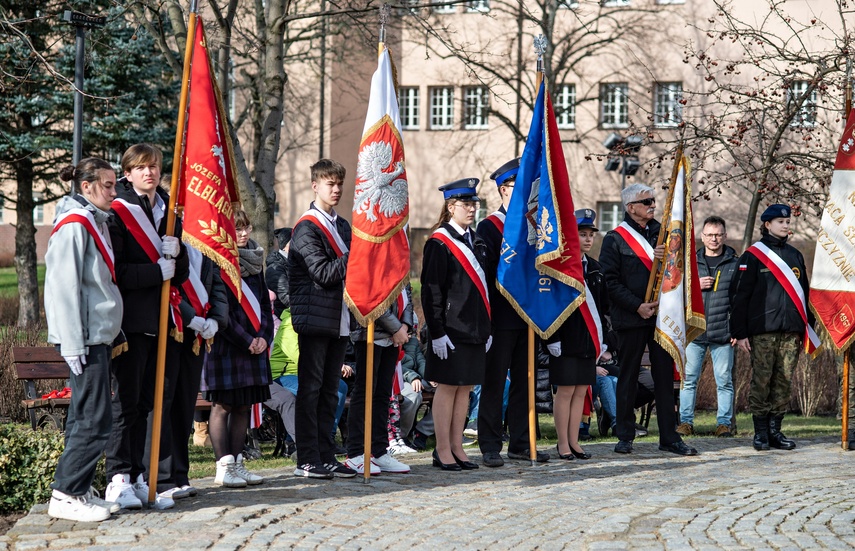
[728, 497]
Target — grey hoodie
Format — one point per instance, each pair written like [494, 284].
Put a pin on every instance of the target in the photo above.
[82, 304]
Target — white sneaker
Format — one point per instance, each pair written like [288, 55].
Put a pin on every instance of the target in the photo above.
[240, 470]
[76, 508]
[120, 491]
[398, 447]
[226, 474]
[93, 496]
[191, 491]
[389, 464]
[358, 464]
[161, 502]
[176, 493]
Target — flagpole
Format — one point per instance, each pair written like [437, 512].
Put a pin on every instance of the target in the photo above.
[845, 405]
[157, 419]
[652, 285]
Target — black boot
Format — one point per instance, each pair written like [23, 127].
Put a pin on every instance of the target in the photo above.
[761, 433]
[776, 437]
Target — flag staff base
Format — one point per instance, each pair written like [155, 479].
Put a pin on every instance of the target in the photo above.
[845, 405]
[532, 420]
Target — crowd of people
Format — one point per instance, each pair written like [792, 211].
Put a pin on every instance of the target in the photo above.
[109, 255]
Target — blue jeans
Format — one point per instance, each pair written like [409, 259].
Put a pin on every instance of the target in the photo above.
[290, 382]
[474, 401]
[606, 388]
[722, 360]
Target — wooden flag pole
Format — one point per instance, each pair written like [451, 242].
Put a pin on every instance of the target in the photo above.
[652, 285]
[845, 405]
[157, 419]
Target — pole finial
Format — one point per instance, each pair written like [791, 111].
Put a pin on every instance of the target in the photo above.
[539, 48]
[385, 10]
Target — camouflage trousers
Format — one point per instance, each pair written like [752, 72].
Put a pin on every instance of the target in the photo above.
[773, 358]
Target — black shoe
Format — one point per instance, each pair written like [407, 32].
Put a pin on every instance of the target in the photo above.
[444, 466]
[680, 448]
[777, 439]
[340, 469]
[492, 459]
[465, 465]
[564, 456]
[525, 455]
[310, 470]
[761, 433]
[579, 455]
[640, 430]
[419, 441]
[623, 446]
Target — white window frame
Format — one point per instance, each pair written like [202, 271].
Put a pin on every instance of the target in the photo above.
[609, 215]
[445, 9]
[662, 2]
[441, 107]
[565, 106]
[38, 211]
[667, 109]
[409, 108]
[568, 4]
[476, 105]
[615, 3]
[806, 115]
[614, 105]
[478, 6]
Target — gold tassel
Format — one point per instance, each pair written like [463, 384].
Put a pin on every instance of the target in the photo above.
[119, 349]
[176, 334]
[196, 346]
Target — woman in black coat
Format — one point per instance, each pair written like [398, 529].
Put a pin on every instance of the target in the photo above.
[457, 314]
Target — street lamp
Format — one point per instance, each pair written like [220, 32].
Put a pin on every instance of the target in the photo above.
[623, 155]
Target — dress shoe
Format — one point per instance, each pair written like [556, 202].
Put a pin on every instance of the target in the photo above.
[623, 446]
[444, 466]
[680, 448]
[564, 456]
[525, 455]
[579, 455]
[492, 459]
[465, 465]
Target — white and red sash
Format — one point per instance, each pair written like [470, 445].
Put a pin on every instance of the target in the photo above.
[84, 217]
[195, 291]
[144, 233]
[785, 276]
[467, 259]
[592, 320]
[328, 228]
[637, 243]
[248, 302]
[497, 219]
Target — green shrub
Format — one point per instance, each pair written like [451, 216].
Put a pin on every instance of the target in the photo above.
[27, 464]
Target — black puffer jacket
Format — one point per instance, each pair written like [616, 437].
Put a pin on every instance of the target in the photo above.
[276, 278]
[717, 298]
[316, 279]
[626, 276]
[758, 303]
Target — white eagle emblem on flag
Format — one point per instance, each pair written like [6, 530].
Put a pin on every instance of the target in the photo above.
[375, 187]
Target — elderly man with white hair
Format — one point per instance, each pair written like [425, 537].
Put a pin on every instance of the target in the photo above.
[627, 257]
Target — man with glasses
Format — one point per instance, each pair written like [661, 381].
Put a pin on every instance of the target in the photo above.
[627, 258]
[716, 265]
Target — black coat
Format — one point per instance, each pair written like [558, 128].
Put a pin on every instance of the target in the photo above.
[316, 279]
[758, 303]
[717, 298]
[504, 316]
[139, 278]
[451, 302]
[217, 299]
[277, 281]
[626, 276]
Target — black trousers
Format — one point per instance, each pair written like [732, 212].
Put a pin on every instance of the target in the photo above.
[88, 425]
[385, 358]
[180, 417]
[318, 376]
[509, 351]
[633, 342]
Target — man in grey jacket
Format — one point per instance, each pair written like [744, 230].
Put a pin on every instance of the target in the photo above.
[83, 307]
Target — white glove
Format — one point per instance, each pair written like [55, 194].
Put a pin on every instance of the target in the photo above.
[210, 329]
[170, 246]
[489, 342]
[197, 324]
[75, 363]
[554, 349]
[439, 346]
[167, 267]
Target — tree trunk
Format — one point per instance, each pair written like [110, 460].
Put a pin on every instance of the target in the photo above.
[25, 246]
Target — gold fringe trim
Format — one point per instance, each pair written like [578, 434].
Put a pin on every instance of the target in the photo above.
[227, 267]
[378, 310]
[373, 128]
[381, 238]
[119, 350]
[673, 350]
[176, 334]
[208, 344]
[545, 334]
[196, 347]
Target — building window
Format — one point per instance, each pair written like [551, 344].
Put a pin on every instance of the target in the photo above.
[445, 9]
[614, 111]
[442, 108]
[670, 1]
[609, 215]
[565, 106]
[668, 111]
[615, 3]
[476, 107]
[38, 210]
[2, 206]
[572, 4]
[482, 6]
[806, 112]
[408, 107]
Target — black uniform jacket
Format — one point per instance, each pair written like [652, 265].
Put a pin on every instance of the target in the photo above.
[505, 318]
[451, 302]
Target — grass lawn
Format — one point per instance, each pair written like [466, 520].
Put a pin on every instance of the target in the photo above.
[9, 280]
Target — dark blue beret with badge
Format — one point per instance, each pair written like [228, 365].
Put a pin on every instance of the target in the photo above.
[775, 211]
[506, 172]
[461, 189]
[585, 219]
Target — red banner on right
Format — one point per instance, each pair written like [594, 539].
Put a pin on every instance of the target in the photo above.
[832, 293]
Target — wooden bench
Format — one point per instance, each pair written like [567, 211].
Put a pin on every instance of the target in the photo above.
[35, 363]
